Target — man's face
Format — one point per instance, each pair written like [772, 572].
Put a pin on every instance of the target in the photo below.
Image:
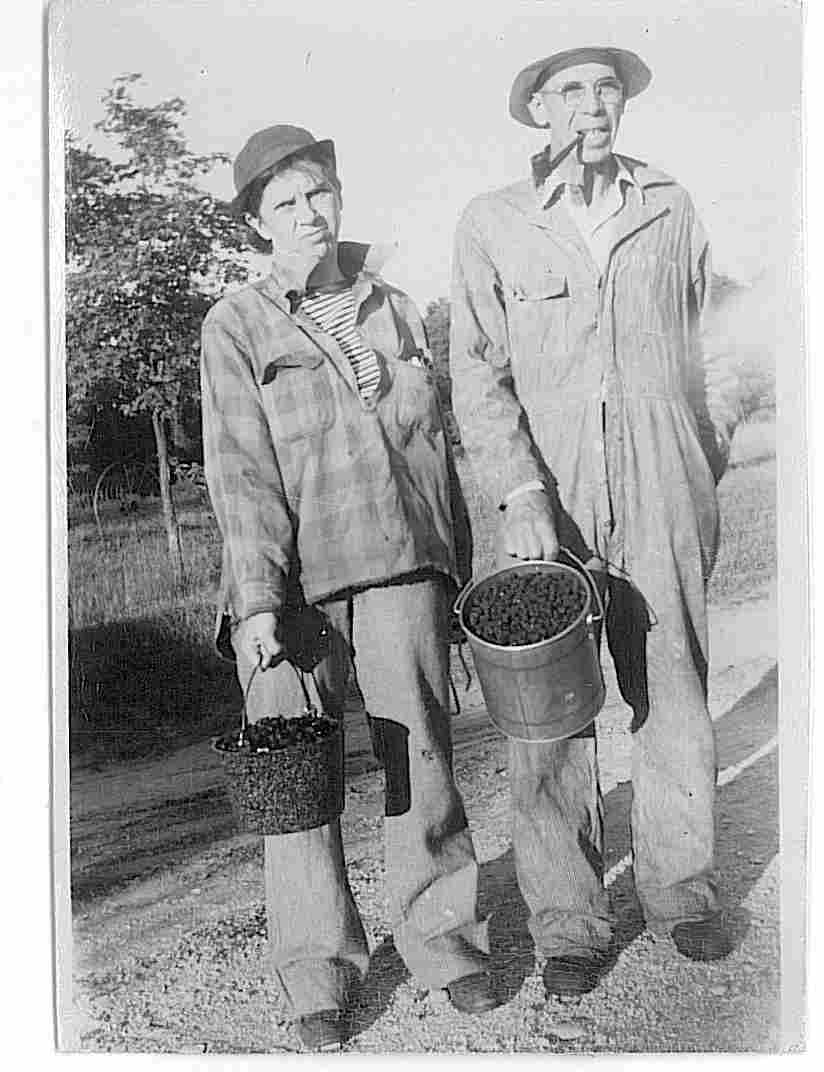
[596, 114]
[300, 214]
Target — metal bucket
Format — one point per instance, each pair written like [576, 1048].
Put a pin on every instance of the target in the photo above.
[545, 691]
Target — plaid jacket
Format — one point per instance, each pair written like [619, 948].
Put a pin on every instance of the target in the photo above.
[306, 479]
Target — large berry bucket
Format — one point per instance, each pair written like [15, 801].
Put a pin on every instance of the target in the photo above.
[283, 790]
[543, 691]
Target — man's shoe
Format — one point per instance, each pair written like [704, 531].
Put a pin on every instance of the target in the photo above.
[571, 976]
[473, 994]
[702, 939]
[324, 1031]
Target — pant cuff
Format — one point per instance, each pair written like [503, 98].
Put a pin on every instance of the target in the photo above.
[312, 985]
[437, 961]
[683, 902]
[560, 934]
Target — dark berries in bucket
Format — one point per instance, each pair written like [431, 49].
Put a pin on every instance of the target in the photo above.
[274, 734]
[525, 608]
[284, 774]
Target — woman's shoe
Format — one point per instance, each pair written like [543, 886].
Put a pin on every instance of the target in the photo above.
[324, 1031]
[572, 975]
[702, 939]
[473, 994]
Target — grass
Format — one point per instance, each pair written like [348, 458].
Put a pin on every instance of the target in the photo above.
[127, 574]
[143, 673]
[746, 562]
[747, 557]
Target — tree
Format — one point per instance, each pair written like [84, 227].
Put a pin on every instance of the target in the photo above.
[739, 340]
[436, 322]
[147, 250]
[723, 289]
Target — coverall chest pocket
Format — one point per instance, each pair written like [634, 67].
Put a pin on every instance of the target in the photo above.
[538, 311]
[298, 396]
[415, 397]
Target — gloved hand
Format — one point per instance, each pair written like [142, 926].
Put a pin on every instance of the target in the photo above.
[306, 637]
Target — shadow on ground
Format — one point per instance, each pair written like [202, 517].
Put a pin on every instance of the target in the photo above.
[510, 943]
[137, 689]
[139, 841]
[386, 973]
[747, 838]
[747, 815]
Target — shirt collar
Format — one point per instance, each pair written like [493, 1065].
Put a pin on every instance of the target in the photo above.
[550, 184]
[624, 175]
[360, 262]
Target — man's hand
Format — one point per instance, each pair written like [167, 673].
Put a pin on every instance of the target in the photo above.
[527, 529]
[257, 640]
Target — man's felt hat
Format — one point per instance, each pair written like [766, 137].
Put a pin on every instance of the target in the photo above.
[633, 73]
[275, 145]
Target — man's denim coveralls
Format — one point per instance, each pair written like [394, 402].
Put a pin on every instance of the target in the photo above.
[588, 379]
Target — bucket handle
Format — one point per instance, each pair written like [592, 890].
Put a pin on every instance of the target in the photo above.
[591, 581]
[461, 597]
[309, 708]
[464, 592]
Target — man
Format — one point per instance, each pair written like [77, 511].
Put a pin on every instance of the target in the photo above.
[584, 404]
[331, 480]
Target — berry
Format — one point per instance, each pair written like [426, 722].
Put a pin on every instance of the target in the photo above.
[518, 609]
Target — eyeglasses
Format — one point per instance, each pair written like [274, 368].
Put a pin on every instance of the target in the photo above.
[608, 90]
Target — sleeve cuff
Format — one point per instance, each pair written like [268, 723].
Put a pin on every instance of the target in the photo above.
[256, 599]
[530, 485]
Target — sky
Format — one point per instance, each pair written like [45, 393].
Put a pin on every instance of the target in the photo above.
[415, 97]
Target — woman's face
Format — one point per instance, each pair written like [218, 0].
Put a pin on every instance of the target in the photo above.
[300, 214]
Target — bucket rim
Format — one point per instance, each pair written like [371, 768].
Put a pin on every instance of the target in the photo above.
[525, 563]
[245, 754]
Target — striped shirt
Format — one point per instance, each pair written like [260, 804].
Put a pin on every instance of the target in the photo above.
[334, 312]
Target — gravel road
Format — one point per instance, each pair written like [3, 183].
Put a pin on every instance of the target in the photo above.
[169, 924]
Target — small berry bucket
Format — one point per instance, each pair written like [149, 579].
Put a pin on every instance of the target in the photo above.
[284, 775]
[548, 689]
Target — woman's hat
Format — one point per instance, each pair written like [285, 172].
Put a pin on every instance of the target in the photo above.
[272, 146]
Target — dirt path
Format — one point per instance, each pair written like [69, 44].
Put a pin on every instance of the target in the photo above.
[169, 929]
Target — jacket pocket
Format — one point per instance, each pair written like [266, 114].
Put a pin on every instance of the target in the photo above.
[415, 398]
[538, 310]
[298, 396]
[541, 288]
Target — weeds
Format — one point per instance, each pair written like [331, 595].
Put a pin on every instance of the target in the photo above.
[746, 562]
[143, 672]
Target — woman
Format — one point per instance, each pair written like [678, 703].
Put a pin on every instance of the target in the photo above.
[332, 481]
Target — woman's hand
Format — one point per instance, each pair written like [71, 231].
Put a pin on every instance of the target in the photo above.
[256, 637]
